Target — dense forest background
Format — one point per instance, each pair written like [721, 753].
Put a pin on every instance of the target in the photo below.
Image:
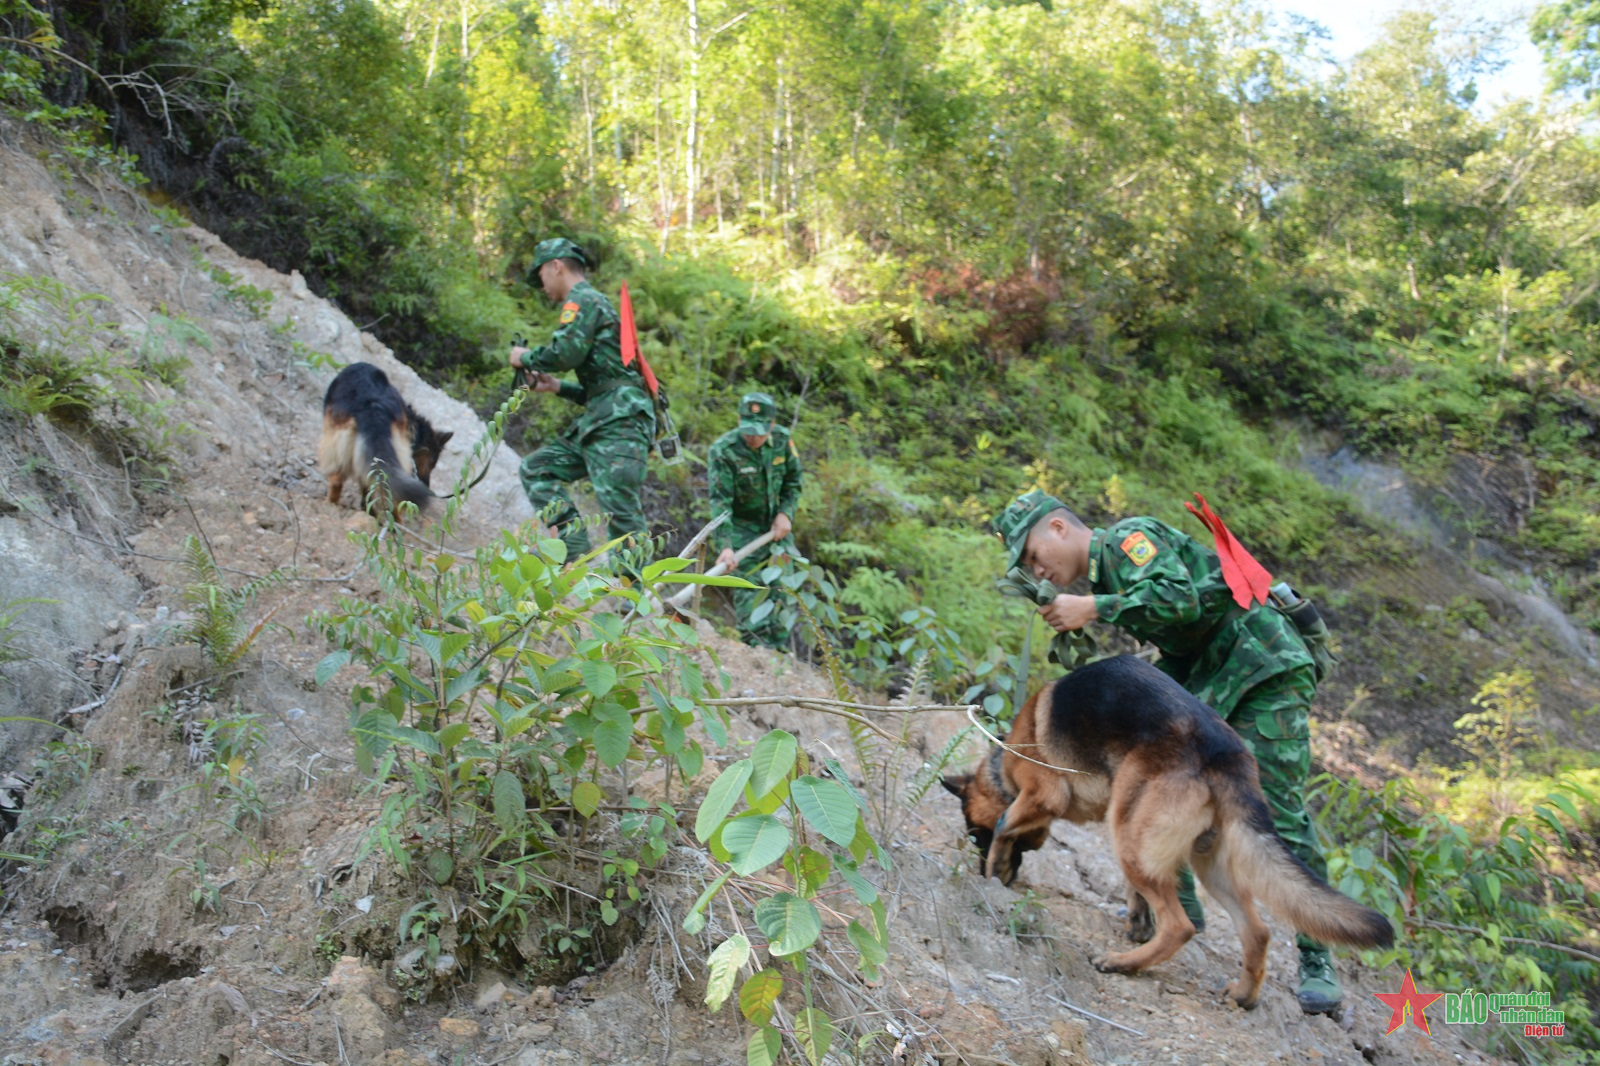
[1119, 251]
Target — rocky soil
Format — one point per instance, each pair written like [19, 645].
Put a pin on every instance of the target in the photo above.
[152, 935]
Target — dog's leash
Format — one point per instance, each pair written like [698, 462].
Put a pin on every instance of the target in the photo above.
[972, 716]
[474, 482]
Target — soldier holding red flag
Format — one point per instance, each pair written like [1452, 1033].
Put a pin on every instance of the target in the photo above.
[610, 442]
[1209, 614]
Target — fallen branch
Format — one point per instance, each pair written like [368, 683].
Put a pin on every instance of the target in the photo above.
[1096, 1017]
[1575, 952]
[838, 708]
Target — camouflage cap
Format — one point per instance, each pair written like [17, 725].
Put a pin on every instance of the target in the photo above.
[756, 412]
[1018, 520]
[556, 248]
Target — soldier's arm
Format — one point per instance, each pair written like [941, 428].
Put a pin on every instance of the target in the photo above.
[719, 483]
[789, 490]
[569, 344]
[1161, 592]
[571, 390]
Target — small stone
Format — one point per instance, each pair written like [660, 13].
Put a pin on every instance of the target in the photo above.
[533, 1033]
[492, 996]
[459, 1028]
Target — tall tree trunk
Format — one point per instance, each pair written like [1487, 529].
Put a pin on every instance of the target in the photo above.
[691, 158]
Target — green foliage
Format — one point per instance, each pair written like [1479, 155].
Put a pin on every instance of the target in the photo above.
[55, 362]
[1487, 913]
[217, 610]
[1510, 709]
[10, 631]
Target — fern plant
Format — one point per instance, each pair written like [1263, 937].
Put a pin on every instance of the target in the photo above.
[217, 610]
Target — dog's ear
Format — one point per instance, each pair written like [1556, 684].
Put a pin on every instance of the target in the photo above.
[440, 440]
[957, 785]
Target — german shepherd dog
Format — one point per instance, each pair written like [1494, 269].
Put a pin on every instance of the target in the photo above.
[368, 430]
[1179, 787]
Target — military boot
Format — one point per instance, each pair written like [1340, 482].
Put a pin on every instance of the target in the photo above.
[1319, 991]
[1190, 901]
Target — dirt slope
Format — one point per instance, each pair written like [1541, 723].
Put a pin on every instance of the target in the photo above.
[153, 935]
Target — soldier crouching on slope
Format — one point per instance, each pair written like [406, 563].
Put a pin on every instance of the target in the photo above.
[610, 442]
[1249, 663]
[754, 473]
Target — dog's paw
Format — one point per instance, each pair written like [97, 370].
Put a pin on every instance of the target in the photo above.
[1241, 993]
[1140, 930]
[1112, 964]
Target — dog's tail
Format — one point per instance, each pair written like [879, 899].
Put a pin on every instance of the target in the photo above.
[1251, 855]
[381, 442]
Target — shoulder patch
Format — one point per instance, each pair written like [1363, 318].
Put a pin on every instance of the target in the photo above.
[569, 312]
[1094, 565]
[779, 459]
[793, 450]
[1137, 547]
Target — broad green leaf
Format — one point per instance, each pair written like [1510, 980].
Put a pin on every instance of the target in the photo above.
[612, 743]
[827, 807]
[810, 872]
[1361, 857]
[509, 805]
[771, 760]
[669, 565]
[587, 797]
[695, 920]
[764, 1047]
[789, 923]
[720, 798]
[453, 734]
[758, 995]
[814, 1030]
[763, 609]
[755, 842]
[599, 676]
[440, 866]
[330, 665]
[723, 966]
[728, 581]
[843, 779]
[865, 890]
[873, 953]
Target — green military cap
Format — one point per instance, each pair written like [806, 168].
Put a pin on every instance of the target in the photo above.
[1018, 520]
[556, 248]
[756, 412]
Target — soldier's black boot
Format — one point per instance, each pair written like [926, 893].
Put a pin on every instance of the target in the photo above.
[1319, 991]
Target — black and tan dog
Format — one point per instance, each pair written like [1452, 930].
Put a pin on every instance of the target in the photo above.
[1177, 786]
[368, 429]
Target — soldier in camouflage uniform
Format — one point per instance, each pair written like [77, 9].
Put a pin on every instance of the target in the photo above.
[754, 473]
[610, 442]
[1165, 588]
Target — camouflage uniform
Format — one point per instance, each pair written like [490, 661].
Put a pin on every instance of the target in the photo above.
[756, 485]
[610, 442]
[1165, 588]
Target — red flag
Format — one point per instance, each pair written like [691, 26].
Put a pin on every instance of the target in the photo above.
[1248, 579]
[630, 344]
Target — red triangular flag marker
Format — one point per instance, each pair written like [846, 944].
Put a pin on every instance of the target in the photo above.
[630, 343]
[1247, 579]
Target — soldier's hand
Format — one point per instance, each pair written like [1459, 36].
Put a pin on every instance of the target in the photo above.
[516, 356]
[781, 526]
[1065, 613]
[725, 559]
[543, 382]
